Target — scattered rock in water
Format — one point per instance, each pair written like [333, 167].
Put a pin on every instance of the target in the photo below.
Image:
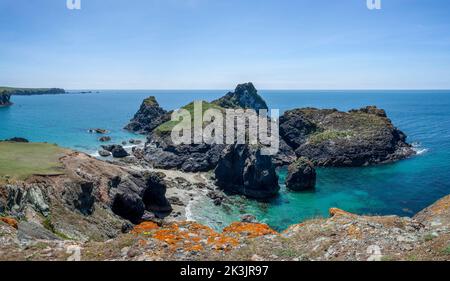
[98, 131]
[243, 169]
[119, 152]
[133, 141]
[104, 153]
[104, 139]
[301, 175]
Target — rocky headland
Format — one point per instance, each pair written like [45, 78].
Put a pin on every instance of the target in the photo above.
[31, 91]
[5, 99]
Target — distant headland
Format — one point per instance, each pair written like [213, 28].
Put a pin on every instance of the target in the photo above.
[30, 91]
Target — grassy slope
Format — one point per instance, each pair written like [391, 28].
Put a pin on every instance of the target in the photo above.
[168, 126]
[18, 161]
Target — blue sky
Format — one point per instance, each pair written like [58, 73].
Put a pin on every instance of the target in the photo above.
[214, 44]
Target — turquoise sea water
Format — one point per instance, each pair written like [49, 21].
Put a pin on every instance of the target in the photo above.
[402, 188]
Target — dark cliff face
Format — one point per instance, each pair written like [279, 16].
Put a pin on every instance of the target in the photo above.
[149, 116]
[243, 169]
[5, 99]
[244, 96]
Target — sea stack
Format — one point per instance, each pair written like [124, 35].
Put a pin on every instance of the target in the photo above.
[149, 116]
[301, 175]
[243, 169]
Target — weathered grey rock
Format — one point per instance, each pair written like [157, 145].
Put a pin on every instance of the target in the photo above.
[301, 175]
[30, 231]
[244, 170]
[104, 139]
[36, 199]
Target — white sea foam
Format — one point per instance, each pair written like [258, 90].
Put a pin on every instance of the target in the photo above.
[419, 149]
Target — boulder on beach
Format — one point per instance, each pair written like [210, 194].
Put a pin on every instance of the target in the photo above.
[116, 150]
[104, 153]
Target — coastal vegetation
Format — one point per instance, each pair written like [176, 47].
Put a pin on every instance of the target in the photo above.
[18, 161]
[169, 125]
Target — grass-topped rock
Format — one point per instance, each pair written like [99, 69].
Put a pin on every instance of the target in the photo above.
[149, 116]
[333, 138]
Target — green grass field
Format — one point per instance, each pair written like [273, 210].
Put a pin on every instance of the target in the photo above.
[18, 161]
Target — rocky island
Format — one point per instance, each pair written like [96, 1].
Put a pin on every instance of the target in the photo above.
[325, 137]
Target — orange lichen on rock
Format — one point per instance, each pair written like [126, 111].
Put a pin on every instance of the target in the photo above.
[440, 206]
[192, 236]
[10, 221]
[144, 227]
[249, 230]
[354, 231]
[338, 212]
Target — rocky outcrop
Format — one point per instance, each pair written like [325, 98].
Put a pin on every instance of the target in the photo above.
[244, 170]
[163, 154]
[149, 116]
[5, 99]
[244, 96]
[301, 175]
[330, 137]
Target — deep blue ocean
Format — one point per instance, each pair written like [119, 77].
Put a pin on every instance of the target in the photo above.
[402, 188]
